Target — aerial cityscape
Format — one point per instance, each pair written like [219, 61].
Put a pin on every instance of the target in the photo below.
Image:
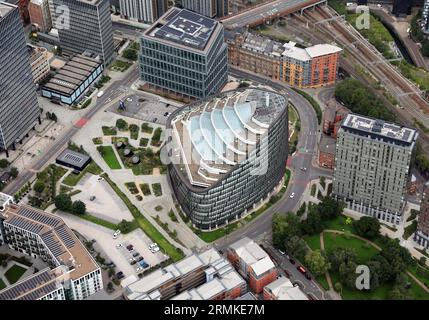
[217, 150]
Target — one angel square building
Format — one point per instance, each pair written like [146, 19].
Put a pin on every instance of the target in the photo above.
[228, 154]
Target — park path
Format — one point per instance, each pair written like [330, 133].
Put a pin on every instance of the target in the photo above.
[322, 246]
[327, 275]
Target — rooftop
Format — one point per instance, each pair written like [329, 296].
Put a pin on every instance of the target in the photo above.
[327, 144]
[73, 158]
[283, 289]
[213, 135]
[184, 27]
[376, 128]
[253, 255]
[70, 255]
[5, 8]
[70, 77]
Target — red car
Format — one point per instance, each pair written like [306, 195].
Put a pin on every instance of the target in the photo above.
[130, 247]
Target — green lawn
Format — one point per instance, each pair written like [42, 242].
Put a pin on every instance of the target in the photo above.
[119, 65]
[339, 223]
[322, 281]
[313, 241]
[2, 284]
[14, 273]
[73, 179]
[146, 226]
[99, 221]
[109, 156]
[363, 252]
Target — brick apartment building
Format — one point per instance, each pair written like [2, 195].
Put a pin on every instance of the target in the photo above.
[252, 263]
[283, 289]
[421, 236]
[310, 67]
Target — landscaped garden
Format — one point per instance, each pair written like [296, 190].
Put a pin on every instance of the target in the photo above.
[147, 159]
[73, 179]
[109, 156]
[157, 190]
[14, 273]
[120, 65]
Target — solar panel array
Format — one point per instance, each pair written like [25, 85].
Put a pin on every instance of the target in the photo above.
[25, 224]
[29, 284]
[73, 158]
[65, 236]
[53, 244]
[40, 292]
[40, 217]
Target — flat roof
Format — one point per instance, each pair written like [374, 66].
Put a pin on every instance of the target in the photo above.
[66, 248]
[184, 27]
[213, 135]
[5, 8]
[376, 128]
[73, 158]
[327, 144]
[283, 289]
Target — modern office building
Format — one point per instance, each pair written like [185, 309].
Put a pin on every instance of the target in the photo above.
[183, 55]
[71, 81]
[40, 14]
[208, 8]
[421, 236]
[283, 289]
[228, 154]
[311, 67]
[253, 263]
[19, 110]
[90, 28]
[372, 162]
[72, 273]
[204, 276]
[39, 62]
[142, 10]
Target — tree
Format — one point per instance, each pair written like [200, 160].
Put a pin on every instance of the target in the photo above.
[329, 208]
[121, 124]
[338, 287]
[296, 247]
[13, 172]
[313, 224]
[110, 286]
[63, 202]
[39, 186]
[316, 262]
[284, 226]
[340, 255]
[78, 207]
[130, 54]
[125, 226]
[367, 227]
[347, 273]
[4, 163]
[54, 117]
[422, 261]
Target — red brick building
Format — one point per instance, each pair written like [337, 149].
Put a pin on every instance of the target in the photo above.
[326, 156]
[252, 263]
[40, 15]
[421, 236]
[332, 118]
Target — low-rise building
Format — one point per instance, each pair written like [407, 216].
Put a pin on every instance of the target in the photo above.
[332, 118]
[310, 67]
[72, 272]
[253, 263]
[39, 62]
[204, 276]
[72, 159]
[327, 152]
[283, 289]
[73, 79]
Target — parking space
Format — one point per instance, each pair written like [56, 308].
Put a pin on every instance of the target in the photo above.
[100, 199]
[145, 107]
[108, 245]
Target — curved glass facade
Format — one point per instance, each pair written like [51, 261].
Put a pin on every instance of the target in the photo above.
[258, 130]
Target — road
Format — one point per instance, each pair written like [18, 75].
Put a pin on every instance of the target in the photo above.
[114, 90]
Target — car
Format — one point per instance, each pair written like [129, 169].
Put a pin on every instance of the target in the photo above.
[120, 275]
[91, 198]
[129, 99]
[154, 250]
[119, 245]
[143, 264]
[100, 93]
[153, 245]
[136, 254]
[138, 269]
[133, 262]
[282, 252]
[304, 169]
[130, 247]
[165, 114]
[116, 234]
[308, 276]
[292, 261]
[155, 119]
[100, 179]
[292, 195]
[301, 269]
[139, 259]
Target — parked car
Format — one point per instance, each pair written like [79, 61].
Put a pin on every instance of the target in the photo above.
[143, 264]
[292, 195]
[301, 269]
[133, 262]
[120, 275]
[307, 276]
[130, 247]
[154, 250]
[139, 259]
[153, 245]
[136, 254]
[92, 198]
[116, 234]
[292, 261]
[138, 269]
[119, 245]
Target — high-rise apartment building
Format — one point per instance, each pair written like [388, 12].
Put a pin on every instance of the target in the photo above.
[90, 28]
[142, 10]
[208, 8]
[424, 24]
[40, 15]
[71, 272]
[183, 54]
[19, 110]
[421, 236]
[372, 161]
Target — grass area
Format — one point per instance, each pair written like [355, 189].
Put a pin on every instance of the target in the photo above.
[408, 231]
[2, 284]
[340, 224]
[143, 142]
[153, 233]
[338, 5]
[313, 241]
[73, 179]
[157, 190]
[323, 281]
[415, 74]
[109, 131]
[98, 221]
[14, 273]
[156, 138]
[313, 103]
[144, 187]
[132, 187]
[134, 131]
[119, 65]
[271, 33]
[97, 140]
[146, 128]
[420, 273]
[364, 252]
[109, 156]
[313, 190]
